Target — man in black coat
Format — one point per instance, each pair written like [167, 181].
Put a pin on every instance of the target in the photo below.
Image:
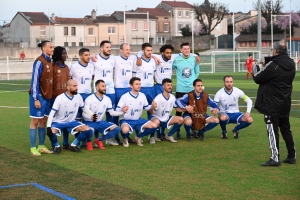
[274, 101]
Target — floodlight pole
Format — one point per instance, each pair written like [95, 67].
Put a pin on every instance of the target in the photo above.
[193, 48]
[125, 25]
[259, 28]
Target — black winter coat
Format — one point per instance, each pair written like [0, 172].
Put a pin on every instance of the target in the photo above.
[275, 86]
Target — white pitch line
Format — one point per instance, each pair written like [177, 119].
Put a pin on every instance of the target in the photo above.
[11, 84]
[12, 107]
[13, 91]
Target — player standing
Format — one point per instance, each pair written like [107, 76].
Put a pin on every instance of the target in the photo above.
[40, 95]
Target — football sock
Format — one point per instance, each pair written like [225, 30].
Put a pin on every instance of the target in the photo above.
[208, 127]
[110, 134]
[42, 135]
[187, 129]
[32, 136]
[174, 129]
[241, 126]
[223, 124]
[65, 137]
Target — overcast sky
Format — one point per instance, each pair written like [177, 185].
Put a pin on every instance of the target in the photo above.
[80, 8]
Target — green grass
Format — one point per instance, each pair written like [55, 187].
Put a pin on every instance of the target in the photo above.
[210, 169]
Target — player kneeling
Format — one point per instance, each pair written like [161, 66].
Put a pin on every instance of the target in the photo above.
[63, 117]
[135, 101]
[161, 115]
[99, 104]
[194, 104]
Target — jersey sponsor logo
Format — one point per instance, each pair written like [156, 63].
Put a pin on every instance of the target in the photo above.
[49, 81]
[125, 71]
[48, 70]
[69, 113]
[134, 111]
[186, 72]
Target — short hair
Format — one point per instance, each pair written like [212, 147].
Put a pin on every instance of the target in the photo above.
[280, 48]
[166, 46]
[122, 45]
[250, 54]
[184, 44]
[227, 76]
[104, 42]
[99, 81]
[82, 50]
[166, 80]
[146, 45]
[196, 80]
[43, 43]
[57, 54]
[134, 79]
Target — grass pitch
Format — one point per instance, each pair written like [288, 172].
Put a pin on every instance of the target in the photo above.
[210, 169]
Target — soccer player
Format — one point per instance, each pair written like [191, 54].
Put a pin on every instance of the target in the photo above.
[99, 104]
[162, 115]
[146, 73]
[104, 69]
[63, 116]
[228, 100]
[61, 74]
[187, 70]
[135, 102]
[40, 95]
[82, 72]
[249, 64]
[194, 104]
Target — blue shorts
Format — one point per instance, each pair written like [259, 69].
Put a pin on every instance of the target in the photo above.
[120, 92]
[135, 124]
[69, 126]
[163, 124]
[79, 113]
[234, 118]
[39, 113]
[159, 89]
[149, 92]
[101, 126]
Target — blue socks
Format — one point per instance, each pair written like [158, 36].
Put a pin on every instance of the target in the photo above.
[32, 136]
[148, 131]
[175, 128]
[223, 124]
[241, 126]
[54, 141]
[188, 129]
[85, 135]
[42, 135]
[208, 127]
[65, 137]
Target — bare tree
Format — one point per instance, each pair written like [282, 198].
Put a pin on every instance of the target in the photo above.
[269, 7]
[210, 14]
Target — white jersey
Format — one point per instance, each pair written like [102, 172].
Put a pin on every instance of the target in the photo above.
[229, 102]
[66, 107]
[145, 72]
[123, 71]
[165, 107]
[164, 69]
[98, 106]
[135, 104]
[83, 76]
[104, 69]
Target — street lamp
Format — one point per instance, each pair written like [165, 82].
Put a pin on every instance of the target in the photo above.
[49, 24]
[171, 13]
[193, 50]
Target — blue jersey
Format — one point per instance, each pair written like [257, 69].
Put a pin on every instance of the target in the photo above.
[184, 101]
[187, 70]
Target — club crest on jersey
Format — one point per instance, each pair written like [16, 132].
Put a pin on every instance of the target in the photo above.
[75, 104]
[186, 72]
[104, 107]
[38, 113]
[140, 103]
[58, 71]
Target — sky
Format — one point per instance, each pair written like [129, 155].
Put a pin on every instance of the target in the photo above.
[79, 8]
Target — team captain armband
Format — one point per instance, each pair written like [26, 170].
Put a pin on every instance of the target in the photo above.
[244, 97]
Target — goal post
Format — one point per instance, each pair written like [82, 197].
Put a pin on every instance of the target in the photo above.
[230, 61]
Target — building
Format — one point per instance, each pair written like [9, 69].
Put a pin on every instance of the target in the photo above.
[163, 25]
[137, 29]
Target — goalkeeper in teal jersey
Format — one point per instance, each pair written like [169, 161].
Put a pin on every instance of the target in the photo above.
[187, 70]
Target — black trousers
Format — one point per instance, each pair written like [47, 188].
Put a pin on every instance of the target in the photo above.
[283, 123]
[179, 95]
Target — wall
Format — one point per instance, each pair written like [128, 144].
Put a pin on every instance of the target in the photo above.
[200, 42]
[19, 29]
[115, 38]
[140, 35]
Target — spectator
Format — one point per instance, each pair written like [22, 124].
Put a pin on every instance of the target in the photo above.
[22, 56]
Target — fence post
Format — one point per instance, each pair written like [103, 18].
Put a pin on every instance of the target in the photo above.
[239, 62]
[296, 61]
[7, 68]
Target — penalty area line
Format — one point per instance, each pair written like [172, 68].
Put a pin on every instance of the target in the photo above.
[12, 107]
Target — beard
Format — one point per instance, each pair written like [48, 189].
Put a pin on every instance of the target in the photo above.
[106, 53]
[102, 91]
[74, 92]
[228, 88]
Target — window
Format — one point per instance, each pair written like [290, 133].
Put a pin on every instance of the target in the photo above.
[73, 31]
[159, 40]
[91, 31]
[212, 42]
[81, 44]
[219, 26]
[111, 29]
[66, 44]
[187, 13]
[180, 26]
[66, 31]
[145, 26]
[133, 26]
[73, 44]
[179, 13]
[43, 30]
[166, 27]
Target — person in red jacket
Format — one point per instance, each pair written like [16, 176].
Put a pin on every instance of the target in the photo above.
[249, 66]
[22, 56]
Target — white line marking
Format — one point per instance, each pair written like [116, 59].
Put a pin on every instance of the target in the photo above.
[11, 84]
[14, 91]
[12, 107]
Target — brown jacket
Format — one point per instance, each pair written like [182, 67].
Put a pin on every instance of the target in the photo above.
[46, 79]
[60, 77]
[200, 108]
